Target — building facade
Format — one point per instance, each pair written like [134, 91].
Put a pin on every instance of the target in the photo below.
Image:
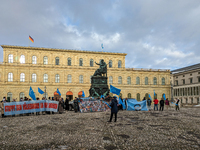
[71, 71]
[186, 84]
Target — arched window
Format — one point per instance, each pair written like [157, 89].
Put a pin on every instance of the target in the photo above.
[119, 80]
[57, 78]
[9, 96]
[81, 79]
[57, 60]
[22, 59]
[45, 77]
[34, 60]
[110, 80]
[10, 58]
[155, 96]
[154, 81]
[128, 80]
[129, 95]
[45, 60]
[21, 95]
[138, 96]
[69, 78]
[10, 77]
[91, 63]
[80, 62]
[138, 80]
[163, 81]
[69, 61]
[34, 77]
[22, 77]
[119, 64]
[146, 81]
[110, 63]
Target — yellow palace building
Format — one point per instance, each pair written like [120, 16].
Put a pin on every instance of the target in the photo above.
[71, 71]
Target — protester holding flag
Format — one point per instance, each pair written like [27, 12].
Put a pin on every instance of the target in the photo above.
[60, 107]
[177, 106]
[114, 108]
[162, 103]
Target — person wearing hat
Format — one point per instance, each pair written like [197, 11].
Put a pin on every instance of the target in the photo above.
[114, 108]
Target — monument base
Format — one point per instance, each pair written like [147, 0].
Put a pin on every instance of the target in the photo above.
[99, 86]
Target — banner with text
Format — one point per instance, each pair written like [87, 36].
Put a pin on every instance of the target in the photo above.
[13, 108]
[93, 106]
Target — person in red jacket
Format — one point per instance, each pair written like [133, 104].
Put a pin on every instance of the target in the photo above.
[155, 103]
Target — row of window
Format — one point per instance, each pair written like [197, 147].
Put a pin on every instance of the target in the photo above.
[183, 81]
[69, 79]
[189, 91]
[69, 60]
[137, 80]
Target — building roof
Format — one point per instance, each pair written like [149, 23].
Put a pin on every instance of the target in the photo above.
[60, 50]
[188, 68]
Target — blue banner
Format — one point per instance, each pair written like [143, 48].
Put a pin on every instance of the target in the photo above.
[40, 91]
[121, 102]
[32, 94]
[133, 104]
[114, 90]
[14, 108]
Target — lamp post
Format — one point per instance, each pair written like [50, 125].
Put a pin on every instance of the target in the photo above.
[45, 92]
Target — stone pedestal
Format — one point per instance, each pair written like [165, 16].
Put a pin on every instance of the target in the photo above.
[99, 86]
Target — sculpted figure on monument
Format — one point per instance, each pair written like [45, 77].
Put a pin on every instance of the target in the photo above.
[102, 68]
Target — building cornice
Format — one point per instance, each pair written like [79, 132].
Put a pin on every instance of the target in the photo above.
[60, 50]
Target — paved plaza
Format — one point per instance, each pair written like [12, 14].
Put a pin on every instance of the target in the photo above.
[133, 130]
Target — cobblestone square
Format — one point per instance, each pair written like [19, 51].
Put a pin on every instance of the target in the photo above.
[133, 130]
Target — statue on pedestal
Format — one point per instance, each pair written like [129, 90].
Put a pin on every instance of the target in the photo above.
[99, 81]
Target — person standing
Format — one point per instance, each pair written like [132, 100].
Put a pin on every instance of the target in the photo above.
[155, 103]
[162, 103]
[2, 109]
[114, 109]
[67, 104]
[76, 104]
[60, 107]
[177, 106]
[167, 103]
[126, 102]
[149, 104]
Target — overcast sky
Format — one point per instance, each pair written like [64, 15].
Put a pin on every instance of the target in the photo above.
[159, 34]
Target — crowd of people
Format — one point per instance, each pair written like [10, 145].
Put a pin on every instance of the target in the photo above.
[113, 102]
[62, 105]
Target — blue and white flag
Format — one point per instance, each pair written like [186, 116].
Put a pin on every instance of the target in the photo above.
[154, 93]
[150, 97]
[164, 96]
[102, 96]
[102, 46]
[114, 90]
[32, 94]
[83, 94]
[121, 102]
[58, 92]
[40, 91]
[133, 104]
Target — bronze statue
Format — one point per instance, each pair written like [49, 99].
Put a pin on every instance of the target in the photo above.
[102, 68]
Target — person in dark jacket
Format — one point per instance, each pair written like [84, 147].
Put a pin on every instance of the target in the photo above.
[76, 104]
[67, 104]
[162, 103]
[149, 104]
[114, 108]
